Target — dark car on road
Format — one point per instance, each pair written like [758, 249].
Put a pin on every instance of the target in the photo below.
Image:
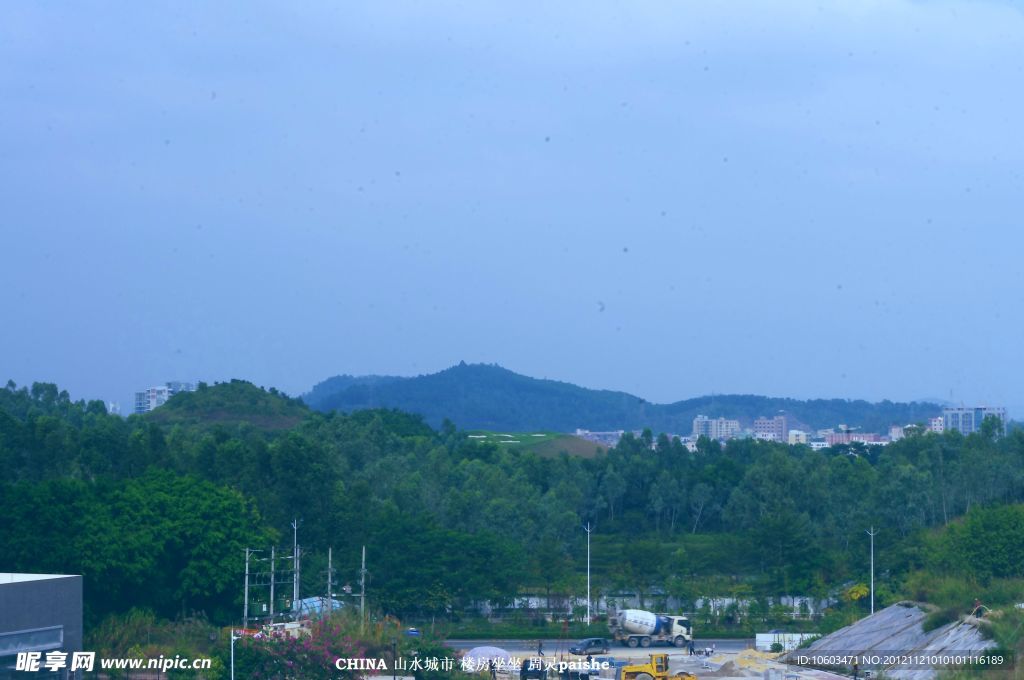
[590, 646]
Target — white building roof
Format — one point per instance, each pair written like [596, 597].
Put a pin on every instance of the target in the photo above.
[6, 577]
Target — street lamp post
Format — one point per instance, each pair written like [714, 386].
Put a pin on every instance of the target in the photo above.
[872, 533]
[588, 530]
[394, 659]
[233, 638]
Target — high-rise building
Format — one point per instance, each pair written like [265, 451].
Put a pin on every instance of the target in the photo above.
[968, 419]
[771, 429]
[147, 400]
[715, 428]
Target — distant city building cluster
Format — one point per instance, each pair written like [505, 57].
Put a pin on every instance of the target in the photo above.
[774, 429]
[147, 400]
[963, 419]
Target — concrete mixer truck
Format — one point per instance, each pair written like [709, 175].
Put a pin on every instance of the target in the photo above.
[639, 628]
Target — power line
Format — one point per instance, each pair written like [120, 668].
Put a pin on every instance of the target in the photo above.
[262, 579]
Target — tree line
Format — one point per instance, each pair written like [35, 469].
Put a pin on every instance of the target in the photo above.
[155, 511]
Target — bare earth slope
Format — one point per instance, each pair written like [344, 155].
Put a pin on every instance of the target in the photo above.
[897, 630]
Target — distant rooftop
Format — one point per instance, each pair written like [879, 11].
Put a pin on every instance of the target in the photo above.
[313, 606]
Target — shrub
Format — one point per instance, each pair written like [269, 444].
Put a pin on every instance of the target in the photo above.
[807, 642]
[940, 618]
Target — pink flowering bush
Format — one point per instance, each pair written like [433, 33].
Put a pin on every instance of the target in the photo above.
[279, 657]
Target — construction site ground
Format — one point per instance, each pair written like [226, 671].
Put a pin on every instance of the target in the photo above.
[743, 664]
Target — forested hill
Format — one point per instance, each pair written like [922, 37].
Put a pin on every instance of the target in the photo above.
[478, 396]
[231, 403]
[489, 397]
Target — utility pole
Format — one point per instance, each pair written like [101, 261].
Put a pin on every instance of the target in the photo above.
[272, 584]
[872, 533]
[245, 596]
[330, 583]
[295, 562]
[362, 593]
[588, 530]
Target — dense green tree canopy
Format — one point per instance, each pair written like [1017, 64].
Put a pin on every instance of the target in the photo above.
[157, 510]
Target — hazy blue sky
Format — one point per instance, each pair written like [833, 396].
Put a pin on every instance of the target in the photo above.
[675, 198]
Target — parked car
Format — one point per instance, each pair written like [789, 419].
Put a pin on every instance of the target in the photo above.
[590, 646]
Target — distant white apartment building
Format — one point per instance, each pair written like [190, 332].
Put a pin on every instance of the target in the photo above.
[896, 433]
[715, 428]
[967, 419]
[771, 429]
[147, 400]
[797, 437]
[937, 424]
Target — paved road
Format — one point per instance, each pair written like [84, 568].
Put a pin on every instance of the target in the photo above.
[555, 647]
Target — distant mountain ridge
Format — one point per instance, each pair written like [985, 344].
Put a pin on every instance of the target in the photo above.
[489, 397]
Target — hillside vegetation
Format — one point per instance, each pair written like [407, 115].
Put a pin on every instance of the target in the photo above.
[488, 397]
[231, 403]
[155, 511]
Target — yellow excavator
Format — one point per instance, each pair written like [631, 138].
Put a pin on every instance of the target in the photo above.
[655, 669]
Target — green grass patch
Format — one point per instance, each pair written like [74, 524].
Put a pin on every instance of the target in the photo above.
[545, 444]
